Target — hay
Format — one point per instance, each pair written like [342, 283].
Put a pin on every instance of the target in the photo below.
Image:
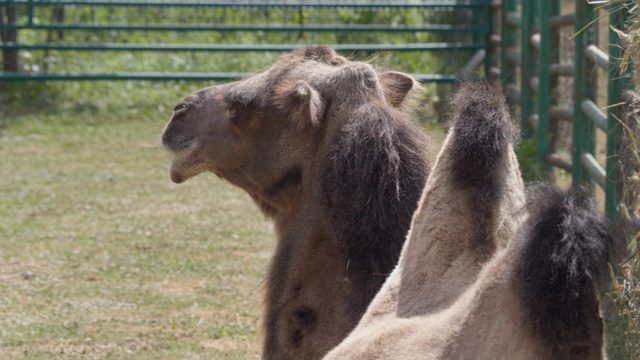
[630, 38]
[626, 293]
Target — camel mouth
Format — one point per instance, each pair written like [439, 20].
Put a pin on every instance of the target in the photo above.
[184, 164]
[182, 168]
[175, 171]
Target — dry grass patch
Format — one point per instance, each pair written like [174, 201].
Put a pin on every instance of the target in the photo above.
[625, 330]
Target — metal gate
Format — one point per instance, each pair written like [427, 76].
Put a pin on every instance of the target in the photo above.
[530, 69]
[45, 18]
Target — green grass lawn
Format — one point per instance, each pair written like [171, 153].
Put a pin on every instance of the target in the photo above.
[101, 255]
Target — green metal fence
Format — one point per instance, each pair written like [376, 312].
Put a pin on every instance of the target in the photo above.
[37, 16]
[533, 89]
[525, 53]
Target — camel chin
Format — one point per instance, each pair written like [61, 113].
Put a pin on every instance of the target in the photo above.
[185, 164]
[182, 168]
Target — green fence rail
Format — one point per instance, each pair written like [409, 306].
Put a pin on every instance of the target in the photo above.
[525, 53]
[240, 47]
[424, 78]
[366, 4]
[38, 16]
[532, 68]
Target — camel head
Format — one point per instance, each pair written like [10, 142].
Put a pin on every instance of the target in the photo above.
[262, 133]
[326, 148]
[200, 125]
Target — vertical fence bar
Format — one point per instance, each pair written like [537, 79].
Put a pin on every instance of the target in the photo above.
[527, 66]
[494, 6]
[10, 57]
[507, 73]
[549, 52]
[489, 29]
[583, 88]
[544, 90]
[554, 49]
[30, 12]
[617, 82]
[477, 20]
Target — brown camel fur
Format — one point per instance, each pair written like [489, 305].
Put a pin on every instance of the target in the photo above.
[327, 150]
[487, 272]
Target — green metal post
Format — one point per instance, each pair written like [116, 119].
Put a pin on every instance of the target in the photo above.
[617, 83]
[527, 67]
[554, 48]
[507, 73]
[547, 55]
[477, 21]
[478, 36]
[583, 88]
[30, 12]
[489, 29]
[482, 20]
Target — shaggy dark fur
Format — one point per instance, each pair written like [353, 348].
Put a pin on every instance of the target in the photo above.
[563, 254]
[372, 183]
[483, 131]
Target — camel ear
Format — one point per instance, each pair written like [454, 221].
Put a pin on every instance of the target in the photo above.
[396, 87]
[307, 105]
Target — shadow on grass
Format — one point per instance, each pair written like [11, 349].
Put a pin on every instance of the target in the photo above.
[26, 97]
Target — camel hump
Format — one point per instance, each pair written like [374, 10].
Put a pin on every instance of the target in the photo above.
[560, 262]
[483, 130]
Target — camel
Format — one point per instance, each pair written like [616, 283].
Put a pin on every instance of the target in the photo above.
[489, 270]
[327, 149]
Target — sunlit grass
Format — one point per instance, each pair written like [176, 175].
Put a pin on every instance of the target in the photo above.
[101, 255]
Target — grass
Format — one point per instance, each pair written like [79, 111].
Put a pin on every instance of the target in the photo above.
[101, 256]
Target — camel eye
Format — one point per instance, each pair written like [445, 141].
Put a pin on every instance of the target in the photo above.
[180, 110]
